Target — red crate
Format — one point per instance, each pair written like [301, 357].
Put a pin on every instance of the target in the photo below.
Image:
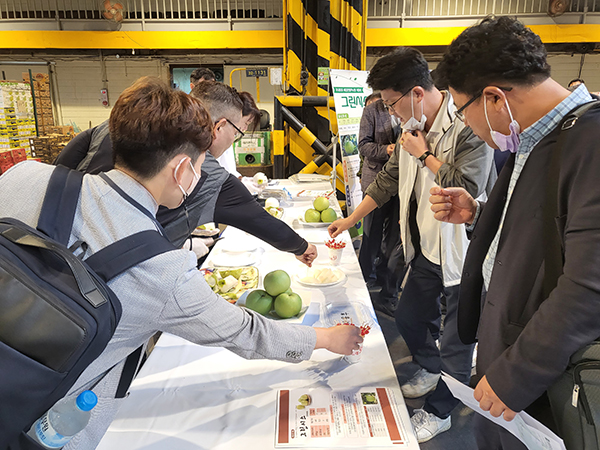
[5, 166]
[18, 155]
[6, 158]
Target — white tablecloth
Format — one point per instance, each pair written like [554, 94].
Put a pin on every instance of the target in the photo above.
[192, 397]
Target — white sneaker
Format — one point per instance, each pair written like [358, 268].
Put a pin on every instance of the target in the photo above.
[428, 425]
[420, 384]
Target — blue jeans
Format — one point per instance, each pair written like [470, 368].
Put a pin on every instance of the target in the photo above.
[418, 318]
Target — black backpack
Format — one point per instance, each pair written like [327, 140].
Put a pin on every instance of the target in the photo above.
[56, 312]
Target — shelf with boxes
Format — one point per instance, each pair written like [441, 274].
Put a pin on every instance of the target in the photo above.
[43, 101]
[17, 120]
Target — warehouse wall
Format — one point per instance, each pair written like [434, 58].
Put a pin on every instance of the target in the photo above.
[78, 82]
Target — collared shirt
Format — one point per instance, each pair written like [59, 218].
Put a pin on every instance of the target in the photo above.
[529, 139]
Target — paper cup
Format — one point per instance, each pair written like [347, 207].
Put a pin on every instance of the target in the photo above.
[335, 256]
[355, 356]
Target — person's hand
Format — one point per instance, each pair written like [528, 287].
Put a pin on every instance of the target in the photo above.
[390, 149]
[340, 339]
[415, 145]
[339, 226]
[489, 401]
[453, 205]
[308, 256]
[200, 246]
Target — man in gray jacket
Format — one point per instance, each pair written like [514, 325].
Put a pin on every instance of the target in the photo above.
[436, 149]
[159, 137]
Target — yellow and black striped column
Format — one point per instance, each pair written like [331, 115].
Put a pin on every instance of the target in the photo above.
[348, 27]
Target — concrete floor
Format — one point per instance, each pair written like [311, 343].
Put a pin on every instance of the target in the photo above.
[460, 435]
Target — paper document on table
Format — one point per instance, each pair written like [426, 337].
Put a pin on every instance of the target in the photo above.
[532, 433]
[323, 418]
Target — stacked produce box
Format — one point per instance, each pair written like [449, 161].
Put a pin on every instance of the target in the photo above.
[47, 148]
[17, 123]
[43, 102]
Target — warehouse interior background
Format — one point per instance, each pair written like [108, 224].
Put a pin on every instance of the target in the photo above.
[83, 52]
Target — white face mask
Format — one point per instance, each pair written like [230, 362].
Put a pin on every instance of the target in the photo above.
[191, 188]
[413, 124]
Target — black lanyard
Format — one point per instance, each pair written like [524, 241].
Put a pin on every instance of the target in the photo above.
[122, 193]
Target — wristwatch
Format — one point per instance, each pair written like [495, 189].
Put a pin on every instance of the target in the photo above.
[423, 157]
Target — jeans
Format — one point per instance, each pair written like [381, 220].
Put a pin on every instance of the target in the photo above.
[418, 318]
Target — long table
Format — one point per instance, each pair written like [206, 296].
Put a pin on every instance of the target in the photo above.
[188, 396]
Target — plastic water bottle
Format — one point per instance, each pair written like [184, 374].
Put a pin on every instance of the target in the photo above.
[63, 421]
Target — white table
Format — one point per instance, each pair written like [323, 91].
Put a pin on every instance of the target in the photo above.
[192, 397]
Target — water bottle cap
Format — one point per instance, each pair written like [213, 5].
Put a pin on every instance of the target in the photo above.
[86, 400]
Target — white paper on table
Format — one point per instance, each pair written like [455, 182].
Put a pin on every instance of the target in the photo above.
[365, 417]
[532, 433]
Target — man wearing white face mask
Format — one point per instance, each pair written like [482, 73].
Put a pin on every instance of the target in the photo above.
[435, 149]
[534, 263]
[159, 138]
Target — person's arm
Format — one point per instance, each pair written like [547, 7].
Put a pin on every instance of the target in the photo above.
[367, 146]
[236, 206]
[75, 151]
[201, 316]
[472, 166]
[341, 225]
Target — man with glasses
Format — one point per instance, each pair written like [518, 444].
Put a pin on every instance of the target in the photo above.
[218, 196]
[435, 149]
[533, 261]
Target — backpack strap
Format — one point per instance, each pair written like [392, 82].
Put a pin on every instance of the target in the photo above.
[127, 253]
[553, 243]
[60, 204]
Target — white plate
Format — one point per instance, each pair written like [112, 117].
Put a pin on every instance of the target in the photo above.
[341, 280]
[237, 246]
[226, 259]
[313, 224]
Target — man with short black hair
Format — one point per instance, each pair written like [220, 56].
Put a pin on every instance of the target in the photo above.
[218, 196]
[435, 149]
[201, 74]
[498, 74]
[159, 136]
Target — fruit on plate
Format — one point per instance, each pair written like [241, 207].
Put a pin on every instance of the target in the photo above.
[328, 215]
[275, 211]
[260, 179]
[287, 305]
[233, 282]
[321, 203]
[312, 216]
[277, 282]
[321, 276]
[259, 301]
[271, 202]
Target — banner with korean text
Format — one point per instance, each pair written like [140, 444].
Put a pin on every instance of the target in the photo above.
[349, 93]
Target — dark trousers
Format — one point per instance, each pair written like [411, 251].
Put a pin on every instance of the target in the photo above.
[381, 255]
[418, 318]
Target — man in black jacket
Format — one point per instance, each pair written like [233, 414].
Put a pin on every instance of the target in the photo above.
[500, 80]
[218, 197]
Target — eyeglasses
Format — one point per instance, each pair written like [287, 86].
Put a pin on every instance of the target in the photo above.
[239, 135]
[390, 107]
[459, 113]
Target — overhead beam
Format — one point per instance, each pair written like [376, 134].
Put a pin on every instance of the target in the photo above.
[259, 39]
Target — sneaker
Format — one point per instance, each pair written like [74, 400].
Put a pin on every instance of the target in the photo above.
[428, 425]
[420, 384]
